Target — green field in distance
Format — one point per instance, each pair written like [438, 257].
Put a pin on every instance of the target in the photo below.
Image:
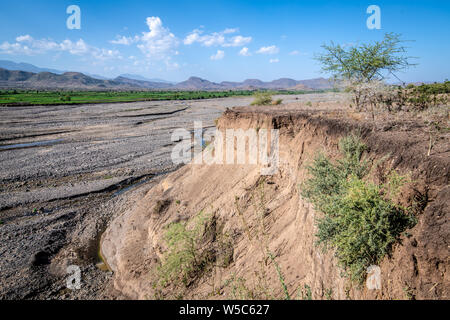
[36, 97]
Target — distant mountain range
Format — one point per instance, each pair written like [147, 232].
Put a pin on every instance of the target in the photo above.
[10, 65]
[48, 80]
[141, 78]
[27, 76]
[195, 83]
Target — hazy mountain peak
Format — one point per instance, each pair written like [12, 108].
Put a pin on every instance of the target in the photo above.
[27, 67]
[141, 78]
[77, 80]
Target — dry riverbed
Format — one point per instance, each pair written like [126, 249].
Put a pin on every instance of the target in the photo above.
[66, 171]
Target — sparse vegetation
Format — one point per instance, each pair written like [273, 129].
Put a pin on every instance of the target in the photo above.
[194, 248]
[240, 290]
[160, 206]
[409, 98]
[360, 222]
[434, 128]
[280, 276]
[262, 98]
[185, 258]
[277, 102]
[305, 292]
[427, 95]
[262, 290]
[329, 294]
[409, 293]
[360, 67]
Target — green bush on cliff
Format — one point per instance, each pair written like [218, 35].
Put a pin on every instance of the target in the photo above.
[185, 257]
[360, 222]
[262, 98]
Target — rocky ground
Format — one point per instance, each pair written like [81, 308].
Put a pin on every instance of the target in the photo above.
[66, 171]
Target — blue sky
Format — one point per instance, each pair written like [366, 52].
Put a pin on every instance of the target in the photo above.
[217, 40]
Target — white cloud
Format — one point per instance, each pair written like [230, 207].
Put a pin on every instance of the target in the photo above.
[24, 38]
[296, 53]
[238, 41]
[268, 50]
[216, 38]
[274, 60]
[126, 41]
[14, 48]
[218, 56]
[192, 37]
[105, 54]
[29, 46]
[230, 30]
[159, 42]
[245, 52]
[76, 48]
[171, 65]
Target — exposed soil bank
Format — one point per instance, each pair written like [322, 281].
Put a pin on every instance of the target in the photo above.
[418, 268]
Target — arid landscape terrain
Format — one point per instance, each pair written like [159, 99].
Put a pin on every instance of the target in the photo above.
[72, 172]
[67, 170]
[221, 159]
[10, 77]
[260, 231]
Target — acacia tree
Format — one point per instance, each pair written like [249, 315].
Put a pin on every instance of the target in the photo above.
[360, 65]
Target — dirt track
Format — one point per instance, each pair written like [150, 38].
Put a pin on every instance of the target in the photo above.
[66, 171]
